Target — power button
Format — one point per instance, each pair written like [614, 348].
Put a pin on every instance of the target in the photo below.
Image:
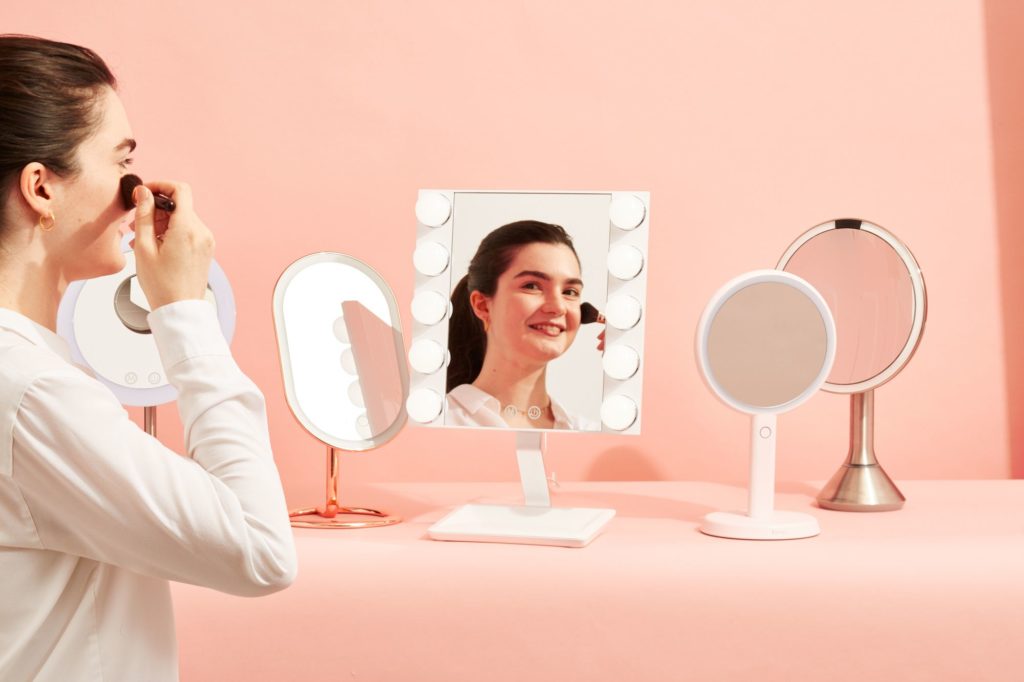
[766, 432]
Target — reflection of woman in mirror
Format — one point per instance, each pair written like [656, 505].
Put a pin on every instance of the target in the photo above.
[516, 310]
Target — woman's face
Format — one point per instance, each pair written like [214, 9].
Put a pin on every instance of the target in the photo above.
[535, 311]
[87, 208]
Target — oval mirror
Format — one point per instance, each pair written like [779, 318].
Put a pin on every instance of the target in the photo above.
[342, 357]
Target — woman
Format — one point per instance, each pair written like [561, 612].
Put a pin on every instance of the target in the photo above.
[95, 515]
[516, 310]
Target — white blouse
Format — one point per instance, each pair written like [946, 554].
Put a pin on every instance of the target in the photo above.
[96, 515]
[467, 405]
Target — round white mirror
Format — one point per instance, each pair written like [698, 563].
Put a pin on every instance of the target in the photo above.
[104, 321]
[765, 344]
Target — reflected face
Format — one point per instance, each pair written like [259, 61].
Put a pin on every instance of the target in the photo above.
[535, 311]
[90, 216]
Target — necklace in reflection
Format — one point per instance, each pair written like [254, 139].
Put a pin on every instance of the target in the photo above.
[533, 413]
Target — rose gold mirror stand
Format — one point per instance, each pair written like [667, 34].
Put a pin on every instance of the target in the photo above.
[327, 515]
[149, 419]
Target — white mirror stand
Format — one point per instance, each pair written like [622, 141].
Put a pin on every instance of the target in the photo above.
[535, 522]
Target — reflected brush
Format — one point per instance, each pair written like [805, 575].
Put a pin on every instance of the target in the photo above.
[588, 314]
[130, 182]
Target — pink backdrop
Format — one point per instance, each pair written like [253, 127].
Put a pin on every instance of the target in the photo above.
[310, 126]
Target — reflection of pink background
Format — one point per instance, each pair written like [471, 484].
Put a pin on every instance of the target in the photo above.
[869, 290]
[306, 127]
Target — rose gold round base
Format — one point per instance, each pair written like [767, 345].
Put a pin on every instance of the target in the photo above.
[330, 518]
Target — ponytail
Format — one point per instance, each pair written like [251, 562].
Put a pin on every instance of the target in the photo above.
[467, 342]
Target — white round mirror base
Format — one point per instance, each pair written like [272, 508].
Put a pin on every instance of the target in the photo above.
[776, 525]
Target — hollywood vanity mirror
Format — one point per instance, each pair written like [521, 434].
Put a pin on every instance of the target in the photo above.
[876, 292]
[104, 323]
[528, 316]
[339, 337]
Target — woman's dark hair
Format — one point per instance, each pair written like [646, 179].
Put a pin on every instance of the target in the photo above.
[467, 342]
[48, 94]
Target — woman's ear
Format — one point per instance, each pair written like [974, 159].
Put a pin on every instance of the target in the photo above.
[481, 305]
[36, 187]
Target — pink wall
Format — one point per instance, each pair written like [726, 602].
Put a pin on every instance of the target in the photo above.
[1003, 22]
[310, 126]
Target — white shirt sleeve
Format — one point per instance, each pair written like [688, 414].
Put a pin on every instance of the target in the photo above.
[98, 486]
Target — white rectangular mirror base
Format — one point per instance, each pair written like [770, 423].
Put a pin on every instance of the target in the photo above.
[535, 522]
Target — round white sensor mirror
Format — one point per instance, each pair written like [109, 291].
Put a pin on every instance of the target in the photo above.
[876, 292]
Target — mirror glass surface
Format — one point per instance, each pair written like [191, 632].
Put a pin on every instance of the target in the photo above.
[534, 319]
[341, 349]
[871, 295]
[766, 344]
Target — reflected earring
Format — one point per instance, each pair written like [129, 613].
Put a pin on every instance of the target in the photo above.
[44, 225]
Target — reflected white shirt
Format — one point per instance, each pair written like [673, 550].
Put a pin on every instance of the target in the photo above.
[96, 515]
[467, 405]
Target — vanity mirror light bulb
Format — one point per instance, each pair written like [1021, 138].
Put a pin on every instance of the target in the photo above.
[423, 405]
[341, 330]
[623, 311]
[626, 211]
[355, 394]
[433, 209]
[429, 307]
[618, 412]
[363, 426]
[348, 362]
[625, 262]
[620, 362]
[430, 258]
[426, 356]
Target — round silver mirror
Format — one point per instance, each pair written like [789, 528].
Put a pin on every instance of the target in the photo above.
[339, 337]
[876, 292]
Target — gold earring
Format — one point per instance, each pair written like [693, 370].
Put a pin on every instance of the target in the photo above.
[487, 326]
[43, 225]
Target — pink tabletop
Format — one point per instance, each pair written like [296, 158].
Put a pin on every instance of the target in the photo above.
[932, 592]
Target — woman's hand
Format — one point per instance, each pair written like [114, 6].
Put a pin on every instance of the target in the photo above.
[172, 250]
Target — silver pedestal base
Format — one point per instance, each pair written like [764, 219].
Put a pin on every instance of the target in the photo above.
[861, 487]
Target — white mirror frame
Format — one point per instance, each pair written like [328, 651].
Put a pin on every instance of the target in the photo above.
[628, 225]
[153, 388]
[285, 356]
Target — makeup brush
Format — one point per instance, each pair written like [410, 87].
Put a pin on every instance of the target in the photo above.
[130, 182]
[589, 313]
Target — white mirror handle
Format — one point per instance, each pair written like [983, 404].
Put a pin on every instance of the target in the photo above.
[762, 465]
